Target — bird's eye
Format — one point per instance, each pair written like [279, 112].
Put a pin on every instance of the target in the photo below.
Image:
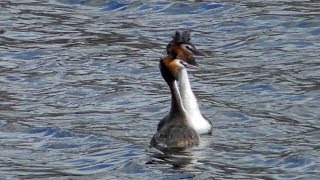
[188, 47]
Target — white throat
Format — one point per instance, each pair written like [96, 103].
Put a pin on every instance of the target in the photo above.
[197, 121]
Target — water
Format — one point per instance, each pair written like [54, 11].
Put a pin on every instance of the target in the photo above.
[81, 93]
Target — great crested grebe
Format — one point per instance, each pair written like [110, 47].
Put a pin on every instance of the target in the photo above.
[176, 132]
[181, 48]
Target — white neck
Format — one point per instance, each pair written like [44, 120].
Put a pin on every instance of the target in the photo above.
[188, 98]
[196, 120]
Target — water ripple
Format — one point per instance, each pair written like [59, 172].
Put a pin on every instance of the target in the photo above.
[81, 93]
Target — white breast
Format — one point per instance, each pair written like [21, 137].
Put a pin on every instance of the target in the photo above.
[196, 120]
[199, 123]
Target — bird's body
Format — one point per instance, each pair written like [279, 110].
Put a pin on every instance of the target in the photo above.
[190, 104]
[182, 126]
[176, 132]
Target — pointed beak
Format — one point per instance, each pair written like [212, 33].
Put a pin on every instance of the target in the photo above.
[196, 51]
[189, 66]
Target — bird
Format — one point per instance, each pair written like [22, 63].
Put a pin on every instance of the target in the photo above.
[181, 48]
[176, 132]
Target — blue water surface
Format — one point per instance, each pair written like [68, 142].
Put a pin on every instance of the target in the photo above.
[81, 93]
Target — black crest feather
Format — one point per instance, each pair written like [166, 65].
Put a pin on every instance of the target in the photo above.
[181, 37]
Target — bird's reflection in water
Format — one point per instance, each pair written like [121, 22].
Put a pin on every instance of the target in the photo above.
[177, 158]
[187, 160]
